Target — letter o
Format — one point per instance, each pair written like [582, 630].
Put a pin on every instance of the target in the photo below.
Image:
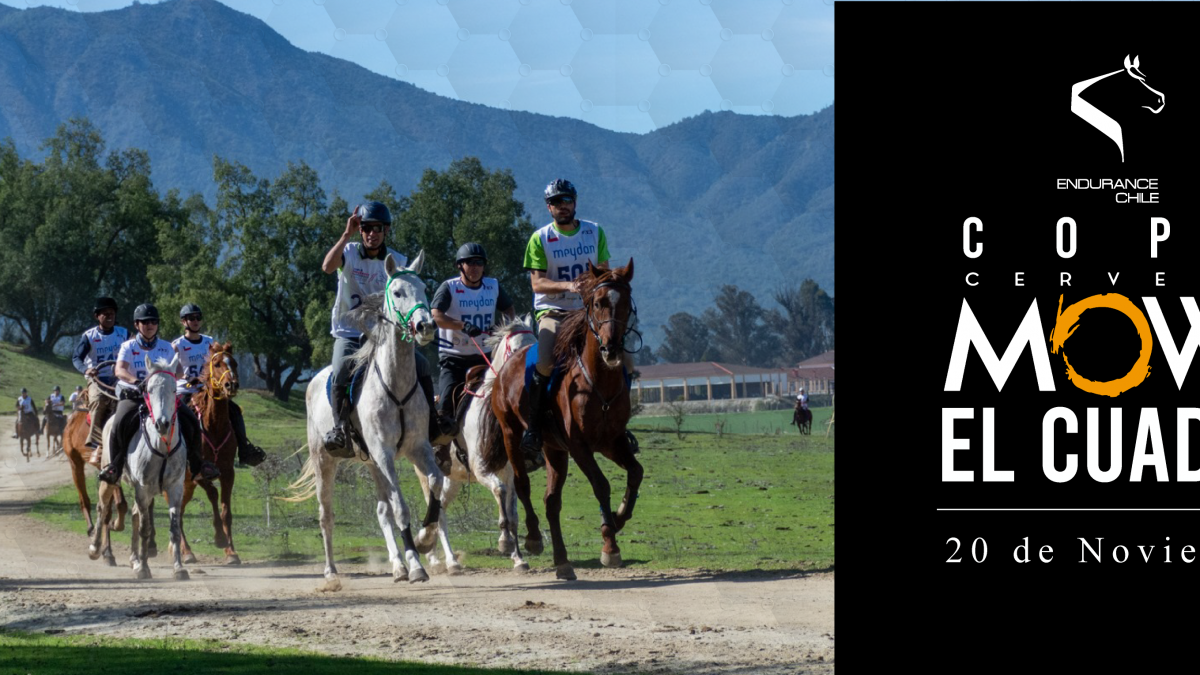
[1058, 239]
[1064, 327]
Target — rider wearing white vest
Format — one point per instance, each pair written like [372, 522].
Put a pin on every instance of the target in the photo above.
[193, 348]
[99, 344]
[555, 256]
[75, 397]
[464, 307]
[57, 403]
[360, 270]
[134, 362]
[25, 406]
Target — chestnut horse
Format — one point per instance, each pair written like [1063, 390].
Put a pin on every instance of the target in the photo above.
[589, 410]
[29, 434]
[220, 379]
[53, 422]
[77, 453]
[802, 418]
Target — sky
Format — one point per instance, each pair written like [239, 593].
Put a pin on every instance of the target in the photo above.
[624, 65]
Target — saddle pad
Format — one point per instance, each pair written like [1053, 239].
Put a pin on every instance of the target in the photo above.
[354, 388]
[531, 358]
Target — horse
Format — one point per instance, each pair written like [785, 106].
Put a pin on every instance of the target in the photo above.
[76, 451]
[589, 411]
[802, 418]
[157, 462]
[504, 341]
[220, 379]
[1102, 121]
[29, 434]
[53, 422]
[391, 420]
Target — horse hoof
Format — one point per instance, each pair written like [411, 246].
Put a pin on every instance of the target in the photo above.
[610, 559]
[533, 546]
[189, 559]
[425, 540]
[220, 541]
[505, 546]
[91, 530]
[93, 552]
[110, 560]
[233, 559]
[182, 575]
[522, 568]
[332, 584]
[416, 575]
[565, 572]
[143, 572]
[454, 569]
[152, 550]
[399, 575]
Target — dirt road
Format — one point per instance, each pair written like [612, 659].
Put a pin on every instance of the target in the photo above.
[607, 621]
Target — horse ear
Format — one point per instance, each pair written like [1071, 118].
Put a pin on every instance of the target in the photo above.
[389, 265]
[629, 271]
[590, 270]
[417, 263]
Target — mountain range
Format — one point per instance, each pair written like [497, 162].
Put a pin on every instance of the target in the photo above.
[718, 198]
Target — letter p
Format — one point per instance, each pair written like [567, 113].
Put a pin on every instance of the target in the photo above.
[1156, 236]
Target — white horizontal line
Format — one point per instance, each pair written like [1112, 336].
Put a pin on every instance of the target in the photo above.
[1099, 509]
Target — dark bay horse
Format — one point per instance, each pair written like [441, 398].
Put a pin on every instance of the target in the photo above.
[220, 379]
[802, 418]
[53, 422]
[29, 433]
[589, 411]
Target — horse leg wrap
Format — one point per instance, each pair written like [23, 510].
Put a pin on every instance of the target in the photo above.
[435, 509]
[406, 537]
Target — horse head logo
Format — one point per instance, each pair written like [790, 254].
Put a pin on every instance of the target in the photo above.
[1107, 125]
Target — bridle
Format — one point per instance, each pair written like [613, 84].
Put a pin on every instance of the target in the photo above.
[402, 320]
[217, 384]
[593, 326]
[170, 431]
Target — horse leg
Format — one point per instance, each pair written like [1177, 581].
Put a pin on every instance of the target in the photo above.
[610, 553]
[174, 508]
[391, 508]
[556, 477]
[104, 508]
[145, 530]
[423, 546]
[189, 488]
[623, 457]
[85, 504]
[324, 478]
[453, 567]
[506, 499]
[122, 509]
[440, 490]
[510, 428]
[231, 556]
[151, 549]
[214, 501]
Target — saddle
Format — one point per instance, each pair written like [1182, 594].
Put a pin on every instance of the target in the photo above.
[462, 403]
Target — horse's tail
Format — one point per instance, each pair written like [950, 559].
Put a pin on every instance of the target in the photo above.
[303, 488]
[491, 439]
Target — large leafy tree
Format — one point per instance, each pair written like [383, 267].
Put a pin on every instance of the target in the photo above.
[686, 340]
[741, 331]
[806, 326]
[78, 225]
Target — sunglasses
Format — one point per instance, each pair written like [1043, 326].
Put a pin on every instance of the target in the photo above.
[474, 262]
[562, 200]
[193, 317]
[376, 227]
[153, 322]
[108, 314]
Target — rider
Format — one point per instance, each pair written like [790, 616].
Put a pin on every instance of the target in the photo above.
[75, 397]
[25, 406]
[555, 256]
[54, 406]
[464, 304]
[802, 400]
[192, 348]
[134, 361]
[360, 268]
[98, 344]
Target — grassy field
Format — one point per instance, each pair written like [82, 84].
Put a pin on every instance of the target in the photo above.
[37, 374]
[757, 496]
[62, 655]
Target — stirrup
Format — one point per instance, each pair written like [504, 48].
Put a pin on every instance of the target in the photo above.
[634, 447]
[110, 475]
[254, 455]
[531, 443]
[336, 445]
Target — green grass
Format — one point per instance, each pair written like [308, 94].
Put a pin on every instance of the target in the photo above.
[766, 422]
[22, 652]
[38, 374]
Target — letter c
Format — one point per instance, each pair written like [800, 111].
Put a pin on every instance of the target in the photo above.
[968, 250]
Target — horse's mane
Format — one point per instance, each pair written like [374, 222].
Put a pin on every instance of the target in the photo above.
[365, 318]
[572, 332]
[502, 331]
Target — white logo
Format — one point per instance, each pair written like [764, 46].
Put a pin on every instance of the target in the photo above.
[1107, 125]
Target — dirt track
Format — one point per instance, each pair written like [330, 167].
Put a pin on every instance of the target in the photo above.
[607, 621]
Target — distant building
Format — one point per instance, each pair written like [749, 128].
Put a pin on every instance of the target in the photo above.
[708, 381]
[815, 375]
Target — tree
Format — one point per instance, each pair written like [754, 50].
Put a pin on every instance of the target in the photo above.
[807, 324]
[71, 230]
[469, 203]
[686, 341]
[740, 329]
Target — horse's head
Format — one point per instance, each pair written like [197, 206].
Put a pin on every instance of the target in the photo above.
[404, 301]
[221, 371]
[1158, 99]
[608, 301]
[158, 391]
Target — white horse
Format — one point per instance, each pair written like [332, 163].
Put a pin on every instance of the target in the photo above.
[156, 464]
[392, 416]
[505, 341]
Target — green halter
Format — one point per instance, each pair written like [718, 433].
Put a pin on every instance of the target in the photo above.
[401, 320]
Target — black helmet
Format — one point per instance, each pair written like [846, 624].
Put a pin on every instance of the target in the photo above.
[79, 387]
[103, 304]
[559, 187]
[190, 308]
[144, 312]
[374, 212]
[24, 390]
[57, 388]
[470, 250]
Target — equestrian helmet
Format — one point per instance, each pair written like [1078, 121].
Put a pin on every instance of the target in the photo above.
[57, 388]
[374, 212]
[560, 187]
[190, 308]
[146, 311]
[79, 387]
[24, 390]
[103, 304]
[470, 250]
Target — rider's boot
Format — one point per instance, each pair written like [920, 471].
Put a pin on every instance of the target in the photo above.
[202, 469]
[437, 433]
[112, 474]
[248, 453]
[335, 439]
[531, 441]
[97, 456]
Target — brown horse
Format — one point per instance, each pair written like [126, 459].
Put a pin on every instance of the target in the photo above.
[802, 419]
[220, 379]
[74, 439]
[28, 433]
[589, 410]
[53, 422]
